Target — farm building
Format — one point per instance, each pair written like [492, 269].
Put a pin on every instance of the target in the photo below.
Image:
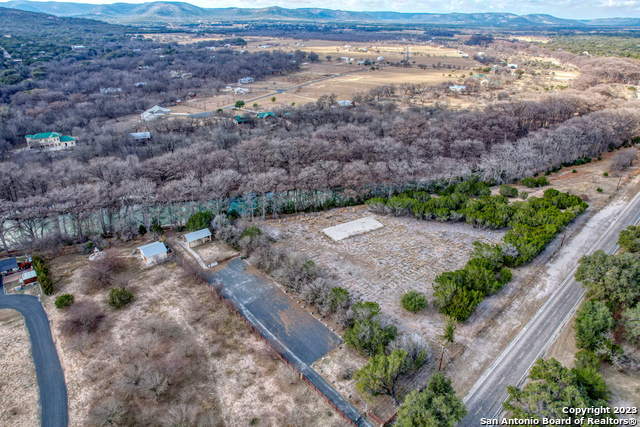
[240, 90]
[29, 277]
[458, 88]
[243, 119]
[345, 103]
[153, 253]
[380, 58]
[198, 237]
[8, 266]
[246, 80]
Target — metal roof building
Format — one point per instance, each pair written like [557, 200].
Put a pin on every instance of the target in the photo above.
[198, 237]
[8, 265]
[153, 253]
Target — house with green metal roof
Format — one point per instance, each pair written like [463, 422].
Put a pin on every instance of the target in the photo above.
[50, 141]
[242, 119]
[265, 115]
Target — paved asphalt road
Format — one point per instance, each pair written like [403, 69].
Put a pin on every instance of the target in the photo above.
[53, 390]
[511, 367]
[276, 92]
[295, 333]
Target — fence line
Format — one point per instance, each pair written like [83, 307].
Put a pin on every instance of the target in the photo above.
[257, 332]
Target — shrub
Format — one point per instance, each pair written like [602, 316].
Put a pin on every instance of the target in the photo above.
[631, 322]
[605, 174]
[629, 239]
[119, 297]
[524, 195]
[366, 334]
[599, 190]
[64, 301]
[574, 171]
[529, 182]
[542, 181]
[414, 301]
[142, 230]
[508, 191]
[199, 220]
[593, 321]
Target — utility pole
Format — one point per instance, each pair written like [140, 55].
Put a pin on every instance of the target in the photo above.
[619, 183]
[565, 233]
[407, 53]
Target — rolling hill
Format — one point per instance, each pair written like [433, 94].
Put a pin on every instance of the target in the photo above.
[181, 12]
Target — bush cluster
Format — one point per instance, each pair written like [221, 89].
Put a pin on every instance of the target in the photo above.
[199, 220]
[64, 301]
[508, 191]
[534, 223]
[119, 297]
[532, 182]
[414, 301]
[42, 274]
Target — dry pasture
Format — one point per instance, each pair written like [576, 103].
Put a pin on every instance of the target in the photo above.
[219, 372]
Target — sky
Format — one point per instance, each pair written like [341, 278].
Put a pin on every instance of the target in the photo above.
[573, 9]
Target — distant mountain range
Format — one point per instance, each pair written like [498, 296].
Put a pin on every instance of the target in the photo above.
[179, 12]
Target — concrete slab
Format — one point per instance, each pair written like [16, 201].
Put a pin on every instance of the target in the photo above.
[352, 228]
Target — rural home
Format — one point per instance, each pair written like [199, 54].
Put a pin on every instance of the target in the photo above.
[240, 91]
[345, 103]
[266, 115]
[154, 112]
[29, 277]
[458, 88]
[242, 119]
[8, 266]
[141, 136]
[153, 253]
[380, 58]
[512, 66]
[197, 237]
[245, 80]
[50, 141]
[77, 47]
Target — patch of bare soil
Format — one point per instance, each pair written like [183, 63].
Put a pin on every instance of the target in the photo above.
[214, 251]
[174, 354]
[18, 386]
[382, 265]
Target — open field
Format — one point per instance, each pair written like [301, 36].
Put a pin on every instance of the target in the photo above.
[382, 265]
[18, 387]
[234, 378]
[214, 251]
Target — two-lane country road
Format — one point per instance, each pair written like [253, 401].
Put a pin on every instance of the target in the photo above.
[51, 384]
[511, 367]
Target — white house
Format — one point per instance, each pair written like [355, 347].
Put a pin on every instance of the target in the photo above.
[77, 47]
[457, 88]
[512, 66]
[154, 112]
[240, 90]
[141, 136]
[50, 141]
[246, 80]
[380, 58]
[153, 253]
[465, 55]
[197, 237]
[345, 103]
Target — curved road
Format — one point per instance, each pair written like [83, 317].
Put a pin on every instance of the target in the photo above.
[511, 367]
[53, 390]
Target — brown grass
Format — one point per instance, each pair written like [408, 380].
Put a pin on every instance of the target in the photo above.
[176, 352]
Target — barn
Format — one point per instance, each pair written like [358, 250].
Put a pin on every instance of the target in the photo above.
[153, 253]
[29, 277]
[198, 237]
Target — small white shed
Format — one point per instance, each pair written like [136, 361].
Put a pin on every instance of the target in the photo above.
[199, 237]
[153, 253]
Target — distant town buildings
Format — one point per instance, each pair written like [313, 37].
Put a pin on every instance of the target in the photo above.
[50, 141]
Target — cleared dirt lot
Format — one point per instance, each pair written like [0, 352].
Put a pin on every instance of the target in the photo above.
[238, 378]
[18, 387]
[382, 265]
